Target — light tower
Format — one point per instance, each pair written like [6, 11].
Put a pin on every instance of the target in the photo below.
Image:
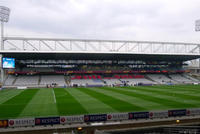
[197, 25]
[197, 29]
[4, 17]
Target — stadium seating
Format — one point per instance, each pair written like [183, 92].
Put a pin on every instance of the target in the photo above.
[9, 80]
[87, 82]
[179, 78]
[128, 79]
[26, 80]
[138, 81]
[49, 79]
[111, 82]
[160, 79]
[98, 80]
[191, 78]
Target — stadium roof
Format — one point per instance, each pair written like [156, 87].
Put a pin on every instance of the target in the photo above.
[54, 48]
[99, 56]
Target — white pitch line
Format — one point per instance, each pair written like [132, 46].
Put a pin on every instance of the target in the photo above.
[54, 97]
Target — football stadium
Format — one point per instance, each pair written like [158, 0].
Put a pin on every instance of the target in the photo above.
[64, 84]
[90, 86]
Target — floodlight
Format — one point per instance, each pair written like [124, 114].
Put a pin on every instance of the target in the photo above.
[197, 29]
[4, 14]
[197, 25]
[4, 17]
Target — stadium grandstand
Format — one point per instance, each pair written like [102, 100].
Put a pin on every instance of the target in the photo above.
[83, 66]
[70, 62]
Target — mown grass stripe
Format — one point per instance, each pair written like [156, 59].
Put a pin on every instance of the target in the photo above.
[164, 101]
[14, 106]
[42, 104]
[67, 104]
[4, 91]
[130, 99]
[195, 91]
[185, 86]
[117, 104]
[7, 92]
[195, 88]
[9, 95]
[138, 100]
[91, 104]
[169, 93]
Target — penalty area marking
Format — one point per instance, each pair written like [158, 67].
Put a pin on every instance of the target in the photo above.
[54, 97]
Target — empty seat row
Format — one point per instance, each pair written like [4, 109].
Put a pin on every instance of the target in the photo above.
[128, 76]
[86, 77]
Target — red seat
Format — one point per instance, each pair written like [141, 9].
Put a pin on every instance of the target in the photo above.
[98, 77]
[93, 77]
[84, 77]
[117, 77]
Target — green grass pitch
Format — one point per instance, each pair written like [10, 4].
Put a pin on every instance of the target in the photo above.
[15, 103]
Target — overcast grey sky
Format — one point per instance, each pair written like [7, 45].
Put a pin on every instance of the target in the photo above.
[158, 20]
